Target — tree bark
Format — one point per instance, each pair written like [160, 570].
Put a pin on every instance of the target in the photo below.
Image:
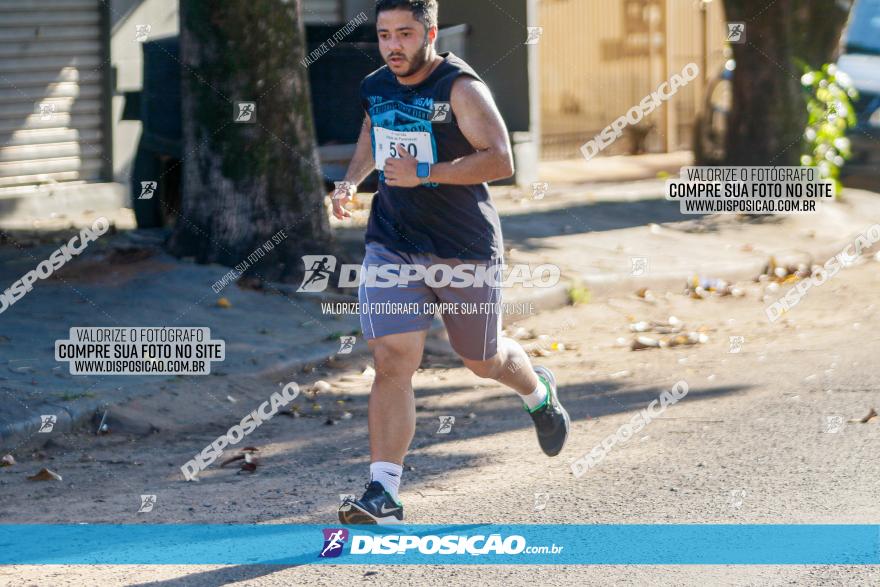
[245, 182]
[769, 113]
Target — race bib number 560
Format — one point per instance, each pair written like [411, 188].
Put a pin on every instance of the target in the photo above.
[387, 144]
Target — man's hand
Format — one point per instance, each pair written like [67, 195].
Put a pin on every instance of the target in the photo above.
[342, 195]
[401, 171]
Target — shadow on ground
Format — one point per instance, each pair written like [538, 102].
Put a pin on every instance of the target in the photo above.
[522, 230]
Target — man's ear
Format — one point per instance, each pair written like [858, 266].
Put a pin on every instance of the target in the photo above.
[432, 35]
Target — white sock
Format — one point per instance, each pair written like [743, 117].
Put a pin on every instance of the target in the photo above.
[536, 398]
[388, 474]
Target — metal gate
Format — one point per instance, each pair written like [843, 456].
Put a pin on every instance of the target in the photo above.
[598, 58]
[53, 96]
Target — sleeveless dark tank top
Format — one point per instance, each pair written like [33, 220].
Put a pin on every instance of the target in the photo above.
[450, 221]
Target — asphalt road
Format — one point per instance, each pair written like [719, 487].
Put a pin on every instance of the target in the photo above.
[763, 436]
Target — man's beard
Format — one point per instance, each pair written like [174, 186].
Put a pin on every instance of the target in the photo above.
[417, 62]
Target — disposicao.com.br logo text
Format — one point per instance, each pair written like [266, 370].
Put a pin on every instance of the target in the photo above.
[453, 544]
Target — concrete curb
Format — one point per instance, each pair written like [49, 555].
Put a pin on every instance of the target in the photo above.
[23, 433]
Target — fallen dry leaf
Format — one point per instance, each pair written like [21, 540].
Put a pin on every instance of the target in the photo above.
[871, 414]
[45, 475]
[644, 342]
[250, 459]
[232, 459]
[248, 455]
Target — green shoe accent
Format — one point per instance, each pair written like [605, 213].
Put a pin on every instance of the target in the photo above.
[546, 397]
[397, 501]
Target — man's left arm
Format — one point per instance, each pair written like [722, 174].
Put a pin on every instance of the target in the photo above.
[482, 125]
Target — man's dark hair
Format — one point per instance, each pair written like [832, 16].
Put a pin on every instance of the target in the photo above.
[424, 11]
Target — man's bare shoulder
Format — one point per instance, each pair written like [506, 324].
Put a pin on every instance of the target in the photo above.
[467, 88]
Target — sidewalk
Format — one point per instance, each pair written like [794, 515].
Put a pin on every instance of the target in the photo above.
[594, 242]
[614, 168]
[590, 231]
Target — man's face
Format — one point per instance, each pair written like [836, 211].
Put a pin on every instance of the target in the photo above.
[402, 41]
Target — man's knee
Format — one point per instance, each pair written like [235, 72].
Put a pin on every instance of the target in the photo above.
[393, 361]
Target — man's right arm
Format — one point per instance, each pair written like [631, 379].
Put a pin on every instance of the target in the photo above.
[359, 168]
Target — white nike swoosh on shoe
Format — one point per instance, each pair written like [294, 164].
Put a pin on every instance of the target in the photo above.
[382, 510]
[387, 520]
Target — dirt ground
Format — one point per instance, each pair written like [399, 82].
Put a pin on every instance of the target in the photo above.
[750, 443]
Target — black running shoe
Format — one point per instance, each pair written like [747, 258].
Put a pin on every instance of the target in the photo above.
[550, 418]
[376, 506]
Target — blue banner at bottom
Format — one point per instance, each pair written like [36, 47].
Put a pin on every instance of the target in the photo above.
[492, 544]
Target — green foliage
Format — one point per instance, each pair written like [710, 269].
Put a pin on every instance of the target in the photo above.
[830, 113]
[336, 334]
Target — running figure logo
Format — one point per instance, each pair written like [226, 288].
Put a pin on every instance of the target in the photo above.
[832, 425]
[147, 503]
[142, 32]
[535, 33]
[736, 32]
[736, 343]
[47, 110]
[639, 265]
[346, 344]
[446, 423]
[318, 271]
[736, 498]
[334, 540]
[245, 112]
[539, 188]
[47, 423]
[440, 112]
[541, 500]
[148, 190]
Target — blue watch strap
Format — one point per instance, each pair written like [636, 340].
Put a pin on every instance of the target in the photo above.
[423, 169]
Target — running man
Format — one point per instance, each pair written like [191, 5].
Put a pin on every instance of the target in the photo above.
[432, 208]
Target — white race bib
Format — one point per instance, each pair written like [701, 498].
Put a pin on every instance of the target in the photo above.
[418, 144]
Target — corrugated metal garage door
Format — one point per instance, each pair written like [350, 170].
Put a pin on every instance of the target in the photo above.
[52, 58]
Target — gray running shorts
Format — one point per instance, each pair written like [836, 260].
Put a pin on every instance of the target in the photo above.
[467, 298]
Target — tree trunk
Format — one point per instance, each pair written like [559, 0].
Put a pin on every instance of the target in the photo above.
[769, 113]
[245, 182]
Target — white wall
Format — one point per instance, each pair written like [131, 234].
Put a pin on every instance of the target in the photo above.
[126, 57]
